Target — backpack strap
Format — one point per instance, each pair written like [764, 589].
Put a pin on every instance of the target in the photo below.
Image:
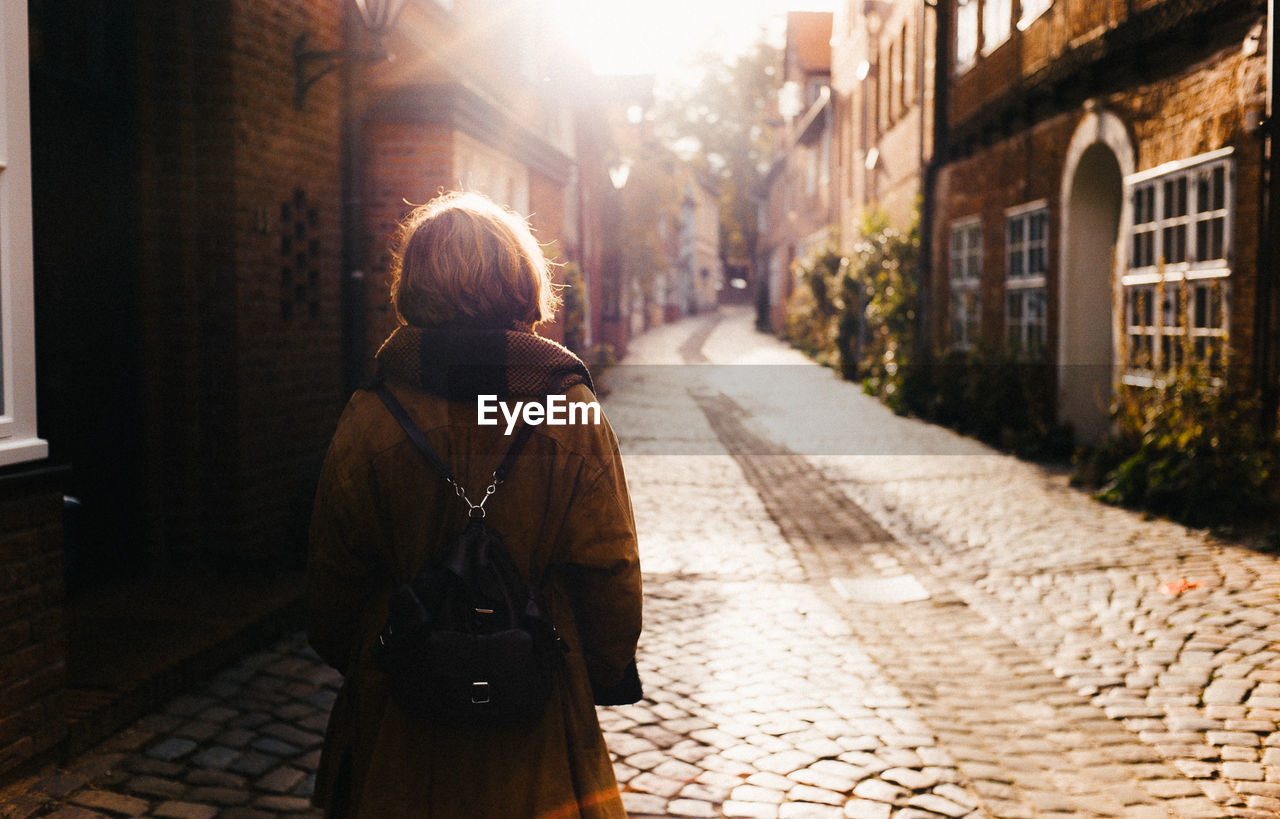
[420, 441]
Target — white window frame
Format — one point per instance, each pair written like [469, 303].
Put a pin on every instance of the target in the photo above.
[997, 24]
[967, 34]
[966, 282]
[1031, 10]
[18, 440]
[1188, 300]
[1027, 287]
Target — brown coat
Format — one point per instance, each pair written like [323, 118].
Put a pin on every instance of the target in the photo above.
[380, 512]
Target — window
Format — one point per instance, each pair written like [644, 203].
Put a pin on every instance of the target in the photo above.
[1026, 262]
[966, 34]
[1177, 282]
[997, 23]
[966, 282]
[1031, 9]
[18, 441]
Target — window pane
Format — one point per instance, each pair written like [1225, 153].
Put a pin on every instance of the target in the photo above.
[966, 33]
[1036, 264]
[1200, 307]
[1016, 226]
[997, 22]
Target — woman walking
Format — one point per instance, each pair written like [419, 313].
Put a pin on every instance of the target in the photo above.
[469, 284]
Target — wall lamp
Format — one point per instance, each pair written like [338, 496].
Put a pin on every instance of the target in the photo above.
[378, 16]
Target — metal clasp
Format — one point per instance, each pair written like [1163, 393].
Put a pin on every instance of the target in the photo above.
[479, 693]
[476, 510]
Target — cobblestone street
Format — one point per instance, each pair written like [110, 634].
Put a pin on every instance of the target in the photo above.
[848, 614]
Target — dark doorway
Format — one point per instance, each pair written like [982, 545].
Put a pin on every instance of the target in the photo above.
[84, 167]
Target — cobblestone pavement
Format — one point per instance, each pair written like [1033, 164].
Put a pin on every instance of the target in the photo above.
[848, 614]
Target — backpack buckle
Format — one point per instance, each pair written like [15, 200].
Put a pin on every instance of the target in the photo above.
[479, 693]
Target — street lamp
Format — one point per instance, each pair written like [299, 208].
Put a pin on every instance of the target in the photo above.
[378, 16]
[620, 173]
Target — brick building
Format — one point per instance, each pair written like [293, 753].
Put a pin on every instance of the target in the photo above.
[797, 200]
[883, 87]
[699, 271]
[1098, 205]
[209, 204]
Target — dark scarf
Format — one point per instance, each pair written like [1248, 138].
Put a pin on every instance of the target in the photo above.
[459, 363]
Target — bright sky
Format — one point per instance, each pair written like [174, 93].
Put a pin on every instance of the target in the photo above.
[656, 36]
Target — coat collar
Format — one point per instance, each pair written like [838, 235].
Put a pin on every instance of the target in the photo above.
[459, 363]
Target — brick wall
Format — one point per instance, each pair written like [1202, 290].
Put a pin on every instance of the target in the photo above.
[546, 203]
[32, 637]
[239, 208]
[1190, 109]
[402, 162]
[287, 223]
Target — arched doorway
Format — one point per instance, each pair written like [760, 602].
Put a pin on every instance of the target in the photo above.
[1093, 210]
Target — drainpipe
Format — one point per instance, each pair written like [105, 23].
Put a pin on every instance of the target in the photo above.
[937, 157]
[1267, 325]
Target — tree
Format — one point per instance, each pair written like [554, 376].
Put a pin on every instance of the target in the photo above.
[720, 120]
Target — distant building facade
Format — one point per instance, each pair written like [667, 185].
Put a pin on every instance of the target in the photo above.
[797, 204]
[700, 271]
[1088, 176]
[882, 81]
[1098, 204]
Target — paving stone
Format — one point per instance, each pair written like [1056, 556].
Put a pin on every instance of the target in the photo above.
[154, 787]
[807, 810]
[184, 810]
[60, 784]
[809, 793]
[866, 809]
[75, 812]
[218, 779]
[111, 801]
[172, 748]
[690, 807]
[281, 780]
[937, 804]
[909, 779]
[217, 756]
[219, 795]
[1250, 771]
[881, 791]
[282, 804]
[755, 793]
[750, 810]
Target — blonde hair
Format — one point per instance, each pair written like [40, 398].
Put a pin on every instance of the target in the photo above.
[463, 258]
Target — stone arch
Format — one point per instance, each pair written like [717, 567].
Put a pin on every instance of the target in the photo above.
[1093, 211]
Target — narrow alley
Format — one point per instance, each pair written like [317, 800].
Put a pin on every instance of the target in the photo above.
[848, 614]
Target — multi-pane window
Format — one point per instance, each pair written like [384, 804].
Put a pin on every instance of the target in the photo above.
[966, 282]
[997, 23]
[1177, 284]
[18, 439]
[1026, 262]
[966, 34]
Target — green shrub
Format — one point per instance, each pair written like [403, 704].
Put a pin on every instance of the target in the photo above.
[883, 273]
[1191, 449]
[816, 303]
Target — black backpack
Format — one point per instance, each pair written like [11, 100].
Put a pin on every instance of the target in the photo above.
[466, 641]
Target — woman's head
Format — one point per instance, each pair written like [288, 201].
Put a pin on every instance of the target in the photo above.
[461, 258]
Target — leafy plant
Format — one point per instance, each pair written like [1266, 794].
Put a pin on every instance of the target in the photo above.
[1190, 448]
[816, 304]
[882, 284]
